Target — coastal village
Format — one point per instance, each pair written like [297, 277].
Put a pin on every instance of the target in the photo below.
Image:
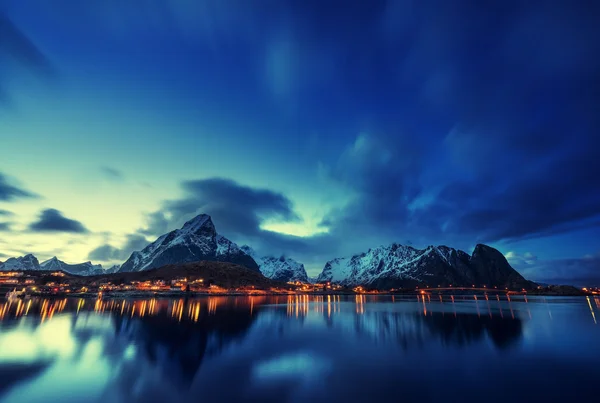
[61, 284]
[58, 283]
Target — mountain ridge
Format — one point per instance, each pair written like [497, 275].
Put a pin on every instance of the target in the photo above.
[31, 262]
[280, 269]
[397, 265]
[197, 240]
[82, 269]
[383, 267]
[25, 262]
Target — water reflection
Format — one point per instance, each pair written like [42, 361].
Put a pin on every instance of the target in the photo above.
[280, 348]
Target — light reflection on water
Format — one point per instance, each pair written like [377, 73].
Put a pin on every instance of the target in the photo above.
[291, 348]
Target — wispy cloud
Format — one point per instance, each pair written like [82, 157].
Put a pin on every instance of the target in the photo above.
[11, 192]
[109, 253]
[577, 271]
[15, 45]
[112, 173]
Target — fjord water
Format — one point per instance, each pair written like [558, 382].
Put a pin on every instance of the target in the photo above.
[300, 348]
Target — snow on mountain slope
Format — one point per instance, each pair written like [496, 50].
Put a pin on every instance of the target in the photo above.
[27, 262]
[197, 240]
[398, 265]
[396, 260]
[81, 269]
[279, 269]
[30, 262]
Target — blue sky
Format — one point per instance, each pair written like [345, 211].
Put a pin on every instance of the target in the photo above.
[307, 128]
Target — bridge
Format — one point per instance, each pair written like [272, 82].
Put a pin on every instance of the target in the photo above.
[480, 289]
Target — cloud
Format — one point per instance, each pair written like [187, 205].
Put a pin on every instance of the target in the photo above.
[10, 192]
[486, 118]
[112, 173]
[290, 46]
[4, 226]
[52, 220]
[527, 258]
[104, 253]
[516, 164]
[6, 213]
[16, 46]
[498, 141]
[236, 208]
[395, 197]
[579, 272]
[553, 198]
[157, 224]
[475, 123]
[108, 253]
[382, 173]
[238, 212]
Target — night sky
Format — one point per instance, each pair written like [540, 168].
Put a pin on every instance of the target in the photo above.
[314, 129]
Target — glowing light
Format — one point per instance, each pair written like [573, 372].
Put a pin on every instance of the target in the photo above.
[591, 310]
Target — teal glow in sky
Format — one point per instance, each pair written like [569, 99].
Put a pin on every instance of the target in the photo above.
[308, 129]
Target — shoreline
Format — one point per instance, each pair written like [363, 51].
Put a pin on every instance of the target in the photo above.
[182, 294]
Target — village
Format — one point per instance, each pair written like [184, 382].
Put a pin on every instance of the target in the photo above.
[58, 283]
[61, 284]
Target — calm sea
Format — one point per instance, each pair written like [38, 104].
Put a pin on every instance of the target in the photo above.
[301, 349]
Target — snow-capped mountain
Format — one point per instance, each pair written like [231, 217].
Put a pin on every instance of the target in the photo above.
[279, 269]
[398, 265]
[113, 269]
[197, 240]
[30, 262]
[81, 269]
[27, 262]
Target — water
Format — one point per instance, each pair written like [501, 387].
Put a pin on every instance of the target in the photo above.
[299, 349]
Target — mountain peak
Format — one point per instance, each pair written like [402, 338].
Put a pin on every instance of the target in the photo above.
[280, 268]
[485, 249]
[489, 263]
[83, 269]
[27, 262]
[201, 224]
[53, 259]
[197, 240]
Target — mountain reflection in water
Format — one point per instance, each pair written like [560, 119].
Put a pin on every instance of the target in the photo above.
[289, 348]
